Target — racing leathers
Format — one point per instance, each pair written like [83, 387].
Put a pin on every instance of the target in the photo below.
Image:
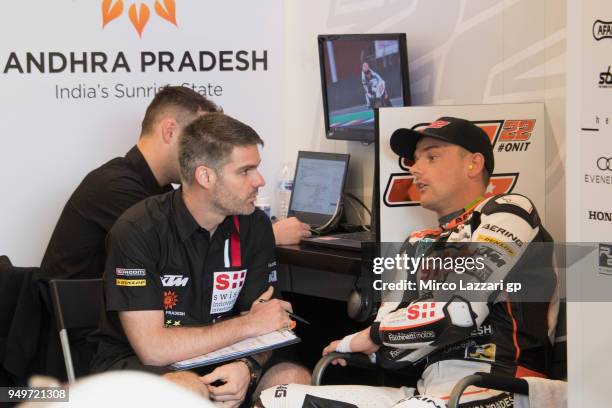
[373, 86]
[477, 325]
[482, 319]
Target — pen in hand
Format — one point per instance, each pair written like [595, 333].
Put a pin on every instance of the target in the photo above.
[291, 315]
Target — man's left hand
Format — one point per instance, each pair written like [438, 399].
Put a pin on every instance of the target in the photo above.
[290, 231]
[360, 343]
[236, 376]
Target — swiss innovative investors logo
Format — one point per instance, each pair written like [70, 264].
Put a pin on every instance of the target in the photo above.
[139, 16]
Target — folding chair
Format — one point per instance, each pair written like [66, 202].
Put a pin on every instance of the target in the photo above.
[77, 304]
[518, 385]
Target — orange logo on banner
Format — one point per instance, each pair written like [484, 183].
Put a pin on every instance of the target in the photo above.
[138, 15]
[402, 192]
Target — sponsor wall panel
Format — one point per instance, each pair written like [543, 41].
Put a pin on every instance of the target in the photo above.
[596, 121]
[77, 76]
[517, 132]
[589, 197]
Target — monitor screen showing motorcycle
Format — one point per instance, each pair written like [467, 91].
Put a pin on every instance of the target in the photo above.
[359, 73]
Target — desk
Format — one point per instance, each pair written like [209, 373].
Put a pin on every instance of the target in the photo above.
[317, 282]
[320, 272]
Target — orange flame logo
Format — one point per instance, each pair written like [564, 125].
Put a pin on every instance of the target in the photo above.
[138, 14]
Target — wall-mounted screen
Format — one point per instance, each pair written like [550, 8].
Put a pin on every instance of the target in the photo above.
[360, 73]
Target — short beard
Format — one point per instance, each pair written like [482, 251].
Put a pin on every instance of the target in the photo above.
[229, 204]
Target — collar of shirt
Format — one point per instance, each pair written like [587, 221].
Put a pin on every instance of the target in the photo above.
[187, 225]
[138, 162]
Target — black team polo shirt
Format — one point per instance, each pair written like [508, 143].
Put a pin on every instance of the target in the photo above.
[76, 249]
[159, 258]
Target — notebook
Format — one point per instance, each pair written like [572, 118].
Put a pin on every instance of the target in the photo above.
[246, 347]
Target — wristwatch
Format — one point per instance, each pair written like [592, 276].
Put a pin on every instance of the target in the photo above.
[254, 369]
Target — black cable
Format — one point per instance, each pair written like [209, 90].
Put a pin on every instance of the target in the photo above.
[354, 197]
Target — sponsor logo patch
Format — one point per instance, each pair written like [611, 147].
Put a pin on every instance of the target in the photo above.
[170, 299]
[226, 288]
[484, 352]
[174, 280]
[492, 255]
[126, 273]
[504, 232]
[172, 323]
[501, 244]
[131, 282]
[272, 277]
[484, 330]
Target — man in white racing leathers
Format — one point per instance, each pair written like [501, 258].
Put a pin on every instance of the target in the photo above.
[455, 332]
[374, 87]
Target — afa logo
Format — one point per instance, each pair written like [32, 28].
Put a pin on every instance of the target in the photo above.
[139, 16]
[505, 136]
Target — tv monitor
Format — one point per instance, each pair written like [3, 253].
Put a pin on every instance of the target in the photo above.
[360, 73]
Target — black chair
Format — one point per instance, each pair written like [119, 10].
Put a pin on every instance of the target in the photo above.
[483, 380]
[518, 385]
[77, 304]
[23, 317]
[352, 359]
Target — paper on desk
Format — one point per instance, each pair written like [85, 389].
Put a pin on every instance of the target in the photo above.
[246, 347]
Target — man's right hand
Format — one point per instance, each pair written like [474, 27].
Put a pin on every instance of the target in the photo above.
[267, 314]
[290, 231]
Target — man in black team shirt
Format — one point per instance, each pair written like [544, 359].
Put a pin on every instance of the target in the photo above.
[181, 261]
[76, 249]
[455, 332]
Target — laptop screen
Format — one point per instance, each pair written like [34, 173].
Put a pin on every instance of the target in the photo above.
[318, 186]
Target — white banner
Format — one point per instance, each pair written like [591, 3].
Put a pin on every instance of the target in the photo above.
[76, 78]
[517, 133]
[596, 134]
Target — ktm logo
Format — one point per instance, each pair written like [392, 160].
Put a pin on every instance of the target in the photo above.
[401, 190]
[139, 16]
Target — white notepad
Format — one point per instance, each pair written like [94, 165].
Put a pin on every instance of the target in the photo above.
[246, 347]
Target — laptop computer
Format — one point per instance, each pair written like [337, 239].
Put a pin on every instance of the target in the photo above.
[318, 187]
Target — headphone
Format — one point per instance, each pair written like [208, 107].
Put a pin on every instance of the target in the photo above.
[359, 305]
[361, 300]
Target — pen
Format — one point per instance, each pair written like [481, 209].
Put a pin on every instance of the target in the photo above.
[296, 317]
[292, 315]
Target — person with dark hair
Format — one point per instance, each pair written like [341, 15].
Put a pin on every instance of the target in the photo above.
[203, 254]
[455, 322]
[76, 249]
[374, 88]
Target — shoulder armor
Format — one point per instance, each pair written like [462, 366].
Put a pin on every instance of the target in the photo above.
[516, 204]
